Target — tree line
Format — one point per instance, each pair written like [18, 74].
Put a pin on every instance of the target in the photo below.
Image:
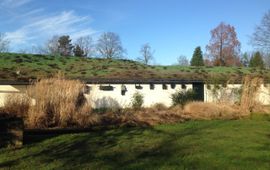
[223, 48]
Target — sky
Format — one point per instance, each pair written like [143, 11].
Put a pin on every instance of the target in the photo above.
[171, 27]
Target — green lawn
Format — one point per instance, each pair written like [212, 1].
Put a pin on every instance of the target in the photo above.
[31, 66]
[230, 144]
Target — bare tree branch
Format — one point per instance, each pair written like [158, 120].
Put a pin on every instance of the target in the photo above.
[109, 46]
[4, 43]
[87, 45]
[261, 35]
[224, 47]
[146, 54]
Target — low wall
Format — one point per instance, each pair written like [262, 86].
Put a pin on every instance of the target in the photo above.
[11, 132]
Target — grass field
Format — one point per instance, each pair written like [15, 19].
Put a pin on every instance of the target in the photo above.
[29, 66]
[231, 144]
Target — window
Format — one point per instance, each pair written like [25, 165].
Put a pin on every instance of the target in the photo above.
[164, 86]
[86, 89]
[183, 86]
[106, 88]
[152, 86]
[123, 90]
[139, 87]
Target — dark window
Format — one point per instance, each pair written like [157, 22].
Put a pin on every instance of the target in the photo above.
[173, 86]
[106, 88]
[152, 86]
[164, 86]
[198, 89]
[139, 87]
[86, 89]
[123, 90]
[183, 86]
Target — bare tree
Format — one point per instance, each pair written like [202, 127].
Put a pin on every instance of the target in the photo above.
[224, 47]
[50, 47]
[109, 46]
[261, 36]
[4, 43]
[266, 59]
[182, 60]
[146, 54]
[86, 44]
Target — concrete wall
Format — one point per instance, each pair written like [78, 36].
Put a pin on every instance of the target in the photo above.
[217, 93]
[100, 98]
[9, 90]
[231, 93]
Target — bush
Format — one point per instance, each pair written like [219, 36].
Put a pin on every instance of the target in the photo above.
[137, 100]
[182, 97]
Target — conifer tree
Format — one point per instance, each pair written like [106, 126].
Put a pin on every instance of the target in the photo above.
[64, 45]
[78, 52]
[197, 58]
[256, 60]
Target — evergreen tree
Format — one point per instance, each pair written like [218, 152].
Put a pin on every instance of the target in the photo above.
[64, 45]
[256, 60]
[197, 58]
[78, 52]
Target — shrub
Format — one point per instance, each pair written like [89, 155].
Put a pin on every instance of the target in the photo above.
[182, 97]
[137, 100]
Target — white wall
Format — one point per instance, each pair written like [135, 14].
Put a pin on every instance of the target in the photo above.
[264, 94]
[223, 94]
[231, 94]
[8, 89]
[100, 98]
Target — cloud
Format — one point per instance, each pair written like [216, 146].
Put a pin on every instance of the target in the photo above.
[14, 3]
[44, 27]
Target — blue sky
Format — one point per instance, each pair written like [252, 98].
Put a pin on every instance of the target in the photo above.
[171, 27]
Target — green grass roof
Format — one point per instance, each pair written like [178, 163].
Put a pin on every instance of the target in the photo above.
[23, 67]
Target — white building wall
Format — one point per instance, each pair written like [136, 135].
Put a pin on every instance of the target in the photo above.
[100, 98]
[264, 94]
[231, 94]
[5, 90]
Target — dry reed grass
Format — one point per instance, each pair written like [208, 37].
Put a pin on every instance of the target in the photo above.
[16, 105]
[142, 117]
[250, 88]
[58, 102]
[209, 111]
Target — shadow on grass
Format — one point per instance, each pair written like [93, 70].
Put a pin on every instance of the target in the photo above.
[124, 148]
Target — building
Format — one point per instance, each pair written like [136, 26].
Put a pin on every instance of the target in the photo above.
[118, 93]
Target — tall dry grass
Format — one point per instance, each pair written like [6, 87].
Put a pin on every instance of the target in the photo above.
[16, 105]
[250, 89]
[142, 117]
[58, 102]
[209, 111]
